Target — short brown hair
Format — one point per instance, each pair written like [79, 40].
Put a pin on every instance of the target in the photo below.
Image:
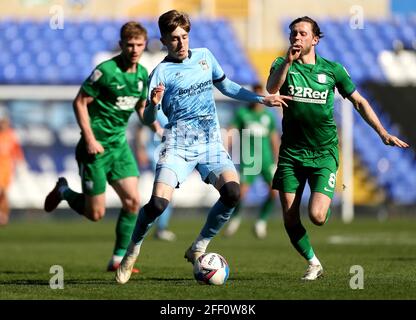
[172, 19]
[132, 29]
[315, 28]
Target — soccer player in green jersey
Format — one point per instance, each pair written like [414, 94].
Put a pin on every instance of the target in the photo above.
[115, 89]
[309, 148]
[259, 150]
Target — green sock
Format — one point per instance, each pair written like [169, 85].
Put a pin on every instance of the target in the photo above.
[300, 240]
[124, 229]
[75, 200]
[328, 214]
[266, 209]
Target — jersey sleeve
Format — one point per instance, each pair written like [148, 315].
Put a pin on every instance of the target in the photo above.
[343, 81]
[217, 72]
[93, 84]
[276, 63]
[155, 78]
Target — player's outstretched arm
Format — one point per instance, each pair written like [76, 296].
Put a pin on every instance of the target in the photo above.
[276, 100]
[234, 90]
[80, 104]
[368, 114]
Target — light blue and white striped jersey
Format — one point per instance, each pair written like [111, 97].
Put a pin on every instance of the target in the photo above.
[188, 100]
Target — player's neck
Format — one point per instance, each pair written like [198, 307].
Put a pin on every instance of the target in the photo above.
[128, 66]
[310, 58]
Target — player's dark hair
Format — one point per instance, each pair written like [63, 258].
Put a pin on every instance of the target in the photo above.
[315, 28]
[131, 30]
[172, 19]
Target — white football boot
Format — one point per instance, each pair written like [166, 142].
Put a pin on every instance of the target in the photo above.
[313, 272]
[125, 269]
[191, 255]
[232, 226]
[260, 229]
[165, 235]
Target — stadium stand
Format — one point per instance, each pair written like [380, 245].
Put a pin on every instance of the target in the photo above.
[65, 56]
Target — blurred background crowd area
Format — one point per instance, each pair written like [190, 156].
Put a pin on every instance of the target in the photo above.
[49, 47]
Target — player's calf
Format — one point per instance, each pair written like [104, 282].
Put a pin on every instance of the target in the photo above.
[155, 207]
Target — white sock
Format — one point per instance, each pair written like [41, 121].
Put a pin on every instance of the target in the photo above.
[314, 261]
[116, 259]
[200, 244]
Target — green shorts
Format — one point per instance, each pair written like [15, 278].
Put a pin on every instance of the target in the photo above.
[267, 170]
[319, 168]
[117, 162]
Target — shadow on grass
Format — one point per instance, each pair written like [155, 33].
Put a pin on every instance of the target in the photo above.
[37, 282]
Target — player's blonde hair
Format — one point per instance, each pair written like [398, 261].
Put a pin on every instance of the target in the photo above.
[131, 30]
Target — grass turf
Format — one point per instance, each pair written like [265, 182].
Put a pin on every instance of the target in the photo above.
[267, 269]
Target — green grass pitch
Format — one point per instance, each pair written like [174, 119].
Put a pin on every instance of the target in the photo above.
[267, 269]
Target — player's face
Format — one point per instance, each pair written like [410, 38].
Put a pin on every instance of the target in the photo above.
[301, 35]
[133, 48]
[177, 43]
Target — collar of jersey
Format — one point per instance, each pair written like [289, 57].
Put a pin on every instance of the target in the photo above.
[170, 59]
[309, 66]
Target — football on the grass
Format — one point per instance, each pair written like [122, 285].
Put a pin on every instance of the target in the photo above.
[211, 268]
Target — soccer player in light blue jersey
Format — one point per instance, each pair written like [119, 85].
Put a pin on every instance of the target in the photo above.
[182, 86]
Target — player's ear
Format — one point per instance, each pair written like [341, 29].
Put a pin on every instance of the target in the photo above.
[315, 40]
[120, 43]
[163, 41]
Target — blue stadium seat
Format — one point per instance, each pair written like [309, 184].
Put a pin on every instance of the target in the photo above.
[30, 74]
[83, 39]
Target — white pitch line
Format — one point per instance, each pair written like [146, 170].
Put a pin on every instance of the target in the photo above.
[373, 239]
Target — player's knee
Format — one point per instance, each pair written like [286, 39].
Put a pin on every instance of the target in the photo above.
[230, 194]
[96, 214]
[273, 194]
[155, 207]
[317, 216]
[131, 204]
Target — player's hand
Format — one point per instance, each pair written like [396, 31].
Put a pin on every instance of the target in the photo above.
[276, 100]
[293, 53]
[94, 147]
[391, 140]
[157, 93]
